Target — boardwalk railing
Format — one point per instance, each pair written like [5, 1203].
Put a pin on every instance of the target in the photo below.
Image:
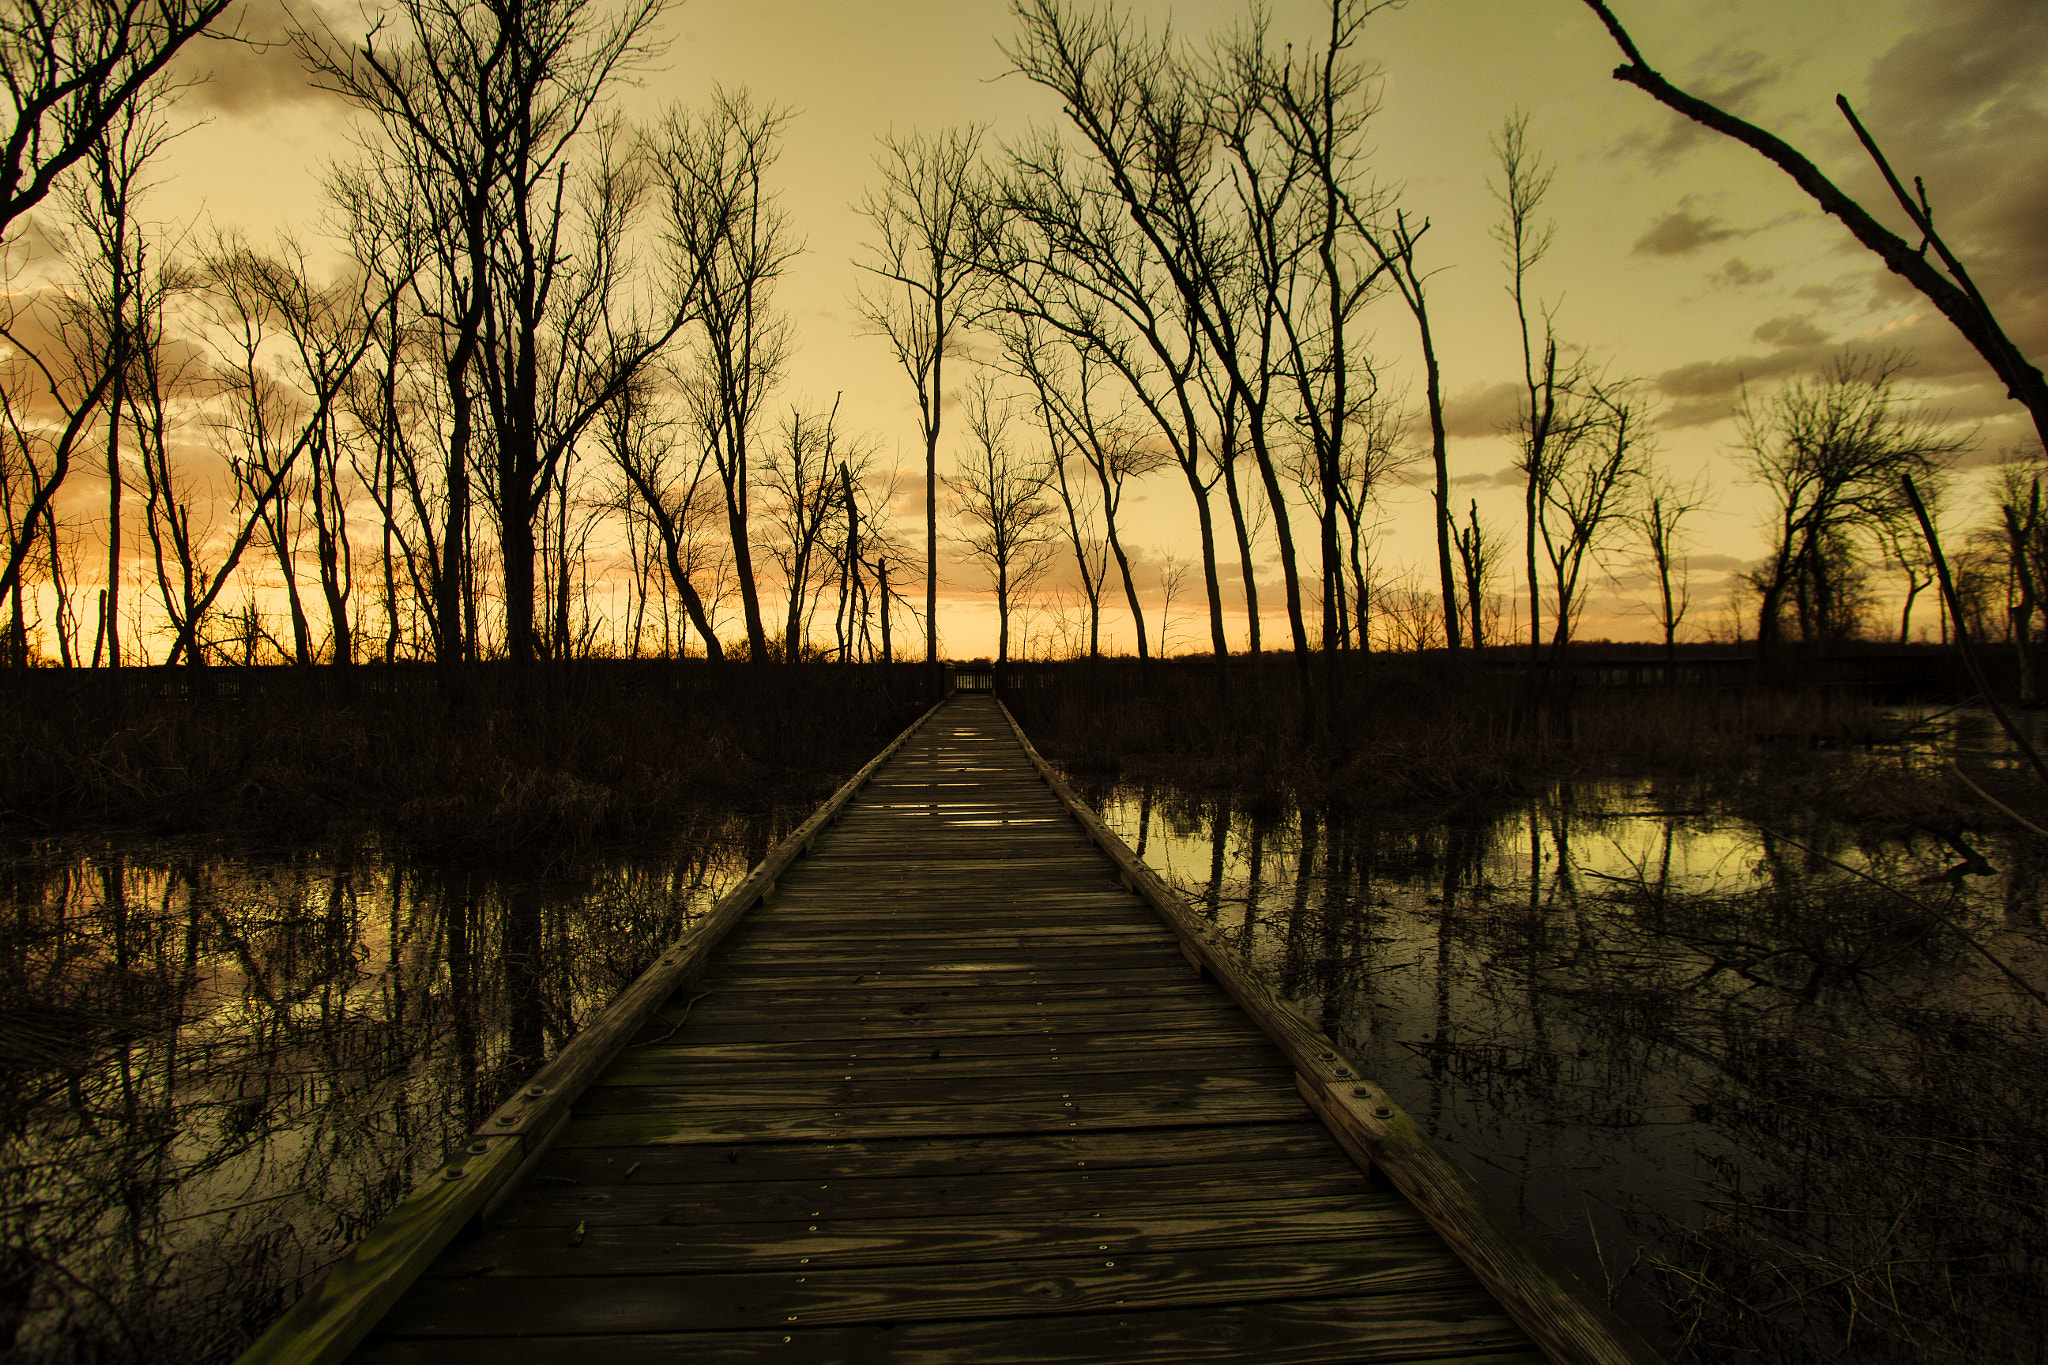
[328, 1322]
[1539, 1292]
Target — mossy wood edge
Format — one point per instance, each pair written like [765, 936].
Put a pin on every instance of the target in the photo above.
[1542, 1295]
[327, 1322]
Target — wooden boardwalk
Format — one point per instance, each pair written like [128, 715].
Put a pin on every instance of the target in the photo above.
[951, 1093]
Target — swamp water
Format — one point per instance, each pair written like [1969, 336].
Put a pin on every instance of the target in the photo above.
[1788, 1115]
[1781, 1091]
[222, 1066]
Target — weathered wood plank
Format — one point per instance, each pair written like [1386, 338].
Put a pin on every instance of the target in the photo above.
[1038, 1042]
[1383, 1330]
[601, 1303]
[1087, 1196]
[718, 1011]
[688, 1124]
[856, 1089]
[1245, 1147]
[669, 1066]
[947, 1239]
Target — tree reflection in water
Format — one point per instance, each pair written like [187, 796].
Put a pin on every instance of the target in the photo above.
[1783, 1113]
[219, 1069]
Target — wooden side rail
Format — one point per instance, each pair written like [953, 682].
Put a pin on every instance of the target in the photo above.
[355, 1293]
[1538, 1291]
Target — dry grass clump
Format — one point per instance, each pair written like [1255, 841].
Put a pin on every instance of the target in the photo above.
[489, 759]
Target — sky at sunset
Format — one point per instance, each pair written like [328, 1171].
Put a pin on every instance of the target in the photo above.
[1680, 259]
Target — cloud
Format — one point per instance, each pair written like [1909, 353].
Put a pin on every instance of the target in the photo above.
[1961, 100]
[1795, 329]
[1740, 274]
[1837, 294]
[1507, 476]
[1722, 379]
[1682, 232]
[1729, 78]
[1482, 411]
[251, 69]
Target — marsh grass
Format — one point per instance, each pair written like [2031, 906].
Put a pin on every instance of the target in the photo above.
[1405, 729]
[484, 760]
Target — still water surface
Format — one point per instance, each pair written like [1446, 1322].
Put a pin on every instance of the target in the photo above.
[1783, 1112]
[221, 1065]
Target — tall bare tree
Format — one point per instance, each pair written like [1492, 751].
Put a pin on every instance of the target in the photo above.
[726, 223]
[2024, 527]
[807, 478]
[1660, 519]
[1479, 553]
[930, 223]
[497, 107]
[670, 488]
[101, 203]
[1000, 494]
[1524, 181]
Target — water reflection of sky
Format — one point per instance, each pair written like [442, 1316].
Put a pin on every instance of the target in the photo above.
[221, 1068]
[1591, 1065]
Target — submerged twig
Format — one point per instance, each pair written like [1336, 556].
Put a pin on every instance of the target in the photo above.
[1994, 959]
[687, 1007]
[2010, 813]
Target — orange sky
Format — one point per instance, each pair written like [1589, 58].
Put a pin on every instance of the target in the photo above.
[1679, 259]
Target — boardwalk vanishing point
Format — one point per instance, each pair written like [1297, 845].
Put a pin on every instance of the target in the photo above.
[950, 1077]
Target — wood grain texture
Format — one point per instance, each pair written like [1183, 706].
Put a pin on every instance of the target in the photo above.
[1468, 1328]
[949, 1091]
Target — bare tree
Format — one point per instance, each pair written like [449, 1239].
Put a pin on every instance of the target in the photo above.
[2024, 528]
[806, 478]
[725, 221]
[101, 205]
[489, 105]
[1173, 580]
[1318, 105]
[1660, 519]
[1071, 265]
[71, 68]
[1479, 553]
[930, 224]
[1830, 453]
[1581, 435]
[1194, 180]
[1524, 182]
[270, 431]
[1396, 246]
[1596, 467]
[72, 370]
[1027, 353]
[1000, 495]
[674, 496]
